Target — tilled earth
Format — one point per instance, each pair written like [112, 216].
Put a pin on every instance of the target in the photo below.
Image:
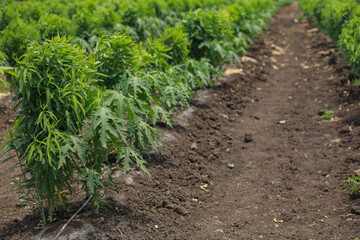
[249, 160]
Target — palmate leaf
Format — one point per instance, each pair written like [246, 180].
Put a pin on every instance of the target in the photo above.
[193, 81]
[199, 73]
[189, 68]
[138, 87]
[93, 179]
[159, 113]
[74, 148]
[93, 183]
[171, 94]
[129, 154]
[180, 94]
[145, 135]
[107, 124]
[115, 98]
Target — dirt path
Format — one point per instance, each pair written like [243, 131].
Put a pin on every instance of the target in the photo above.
[289, 167]
[287, 183]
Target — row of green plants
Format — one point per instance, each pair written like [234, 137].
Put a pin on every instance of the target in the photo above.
[341, 20]
[78, 105]
[85, 21]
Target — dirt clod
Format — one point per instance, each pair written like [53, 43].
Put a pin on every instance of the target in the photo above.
[248, 138]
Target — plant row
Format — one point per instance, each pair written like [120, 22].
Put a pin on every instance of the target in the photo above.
[77, 105]
[87, 20]
[341, 20]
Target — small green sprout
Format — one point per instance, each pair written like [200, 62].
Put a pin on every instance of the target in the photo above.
[327, 115]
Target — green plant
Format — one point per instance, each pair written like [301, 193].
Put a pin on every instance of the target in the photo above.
[340, 19]
[51, 25]
[354, 183]
[198, 73]
[335, 15]
[141, 73]
[327, 115]
[4, 69]
[3, 83]
[159, 54]
[349, 42]
[54, 81]
[356, 82]
[299, 17]
[16, 37]
[116, 55]
[176, 39]
[210, 36]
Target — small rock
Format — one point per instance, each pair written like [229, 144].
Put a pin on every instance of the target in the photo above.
[180, 210]
[355, 210]
[337, 140]
[193, 146]
[248, 138]
[231, 165]
[129, 181]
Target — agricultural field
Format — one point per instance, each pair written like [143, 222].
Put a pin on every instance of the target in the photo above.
[179, 119]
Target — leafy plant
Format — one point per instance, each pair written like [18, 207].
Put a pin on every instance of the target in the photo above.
[335, 15]
[349, 42]
[116, 55]
[299, 17]
[327, 115]
[15, 38]
[138, 18]
[4, 69]
[159, 54]
[356, 82]
[140, 73]
[341, 20]
[354, 181]
[52, 25]
[54, 81]
[198, 73]
[209, 35]
[176, 39]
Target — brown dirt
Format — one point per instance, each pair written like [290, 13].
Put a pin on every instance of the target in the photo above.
[289, 167]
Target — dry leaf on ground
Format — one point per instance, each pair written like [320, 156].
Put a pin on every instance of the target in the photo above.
[231, 71]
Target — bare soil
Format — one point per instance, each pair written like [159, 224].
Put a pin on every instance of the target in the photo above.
[287, 180]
